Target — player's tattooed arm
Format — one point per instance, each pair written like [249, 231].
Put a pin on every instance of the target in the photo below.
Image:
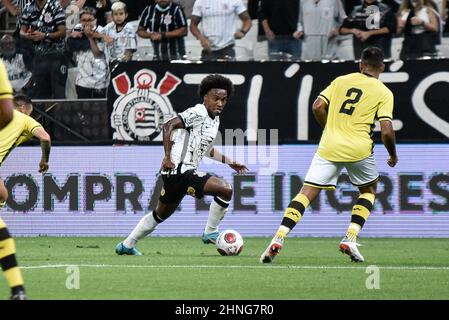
[45, 140]
[169, 126]
[216, 155]
[319, 109]
[389, 140]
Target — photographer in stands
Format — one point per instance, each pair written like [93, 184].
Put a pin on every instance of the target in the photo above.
[88, 52]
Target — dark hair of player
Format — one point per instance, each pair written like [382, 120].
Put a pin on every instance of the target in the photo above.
[215, 81]
[22, 99]
[373, 57]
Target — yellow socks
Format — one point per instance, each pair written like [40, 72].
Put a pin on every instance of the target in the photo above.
[8, 260]
[294, 213]
[360, 213]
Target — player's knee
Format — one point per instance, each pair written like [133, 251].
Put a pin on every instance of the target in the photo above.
[227, 192]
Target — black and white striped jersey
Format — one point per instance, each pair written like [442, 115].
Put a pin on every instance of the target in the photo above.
[157, 19]
[192, 144]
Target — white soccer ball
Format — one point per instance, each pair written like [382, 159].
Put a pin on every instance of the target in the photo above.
[229, 243]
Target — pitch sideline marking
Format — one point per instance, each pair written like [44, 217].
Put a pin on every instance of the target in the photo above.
[232, 267]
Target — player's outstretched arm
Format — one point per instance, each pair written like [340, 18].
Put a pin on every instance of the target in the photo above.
[389, 141]
[319, 109]
[218, 156]
[6, 112]
[45, 140]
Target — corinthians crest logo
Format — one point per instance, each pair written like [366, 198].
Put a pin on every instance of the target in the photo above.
[140, 111]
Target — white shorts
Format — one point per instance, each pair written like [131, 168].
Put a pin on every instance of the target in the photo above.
[324, 173]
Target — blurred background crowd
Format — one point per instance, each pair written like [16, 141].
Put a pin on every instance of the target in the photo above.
[49, 45]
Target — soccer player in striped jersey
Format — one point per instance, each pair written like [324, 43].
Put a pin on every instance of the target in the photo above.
[20, 129]
[346, 110]
[187, 139]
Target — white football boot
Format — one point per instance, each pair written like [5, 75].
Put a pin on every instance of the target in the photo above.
[350, 248]
[272, 250]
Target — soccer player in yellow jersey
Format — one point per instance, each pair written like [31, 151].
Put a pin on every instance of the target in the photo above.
[346, 110]
[20, 129]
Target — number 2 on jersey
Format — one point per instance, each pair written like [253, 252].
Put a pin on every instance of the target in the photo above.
[351, 101]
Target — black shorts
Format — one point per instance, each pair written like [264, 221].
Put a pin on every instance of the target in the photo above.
[176, 186]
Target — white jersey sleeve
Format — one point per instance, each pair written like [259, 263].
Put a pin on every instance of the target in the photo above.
[198, 8]
[239, 7]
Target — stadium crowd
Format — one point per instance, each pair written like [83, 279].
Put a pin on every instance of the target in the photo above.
[53, 37]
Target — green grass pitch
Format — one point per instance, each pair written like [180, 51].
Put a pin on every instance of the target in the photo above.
[185, 268]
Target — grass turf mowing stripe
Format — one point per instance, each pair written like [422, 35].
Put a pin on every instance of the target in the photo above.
[233, 266]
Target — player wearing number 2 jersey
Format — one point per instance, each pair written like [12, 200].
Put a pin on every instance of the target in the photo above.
[347, 110]
[355, 101]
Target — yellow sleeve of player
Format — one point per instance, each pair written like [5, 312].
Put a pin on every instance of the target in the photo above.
[327, 93]
[5, 85]
[385, 110]
[29, 126]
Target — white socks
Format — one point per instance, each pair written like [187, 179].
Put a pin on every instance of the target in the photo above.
[145, 226]
[149, 222]
[217, 210]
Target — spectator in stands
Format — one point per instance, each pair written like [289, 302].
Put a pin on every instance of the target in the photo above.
[43, 22]
[320, 21]
[119, 36]
[166, 25]
[217, 18]
[101, 7]
[372, 24]
[22, 44]
[187, 6]
[92, 78]
[420, 24]
[19, 72]
[280, 23]
[439, 7]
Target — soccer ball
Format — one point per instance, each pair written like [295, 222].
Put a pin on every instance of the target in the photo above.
[229, 243]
